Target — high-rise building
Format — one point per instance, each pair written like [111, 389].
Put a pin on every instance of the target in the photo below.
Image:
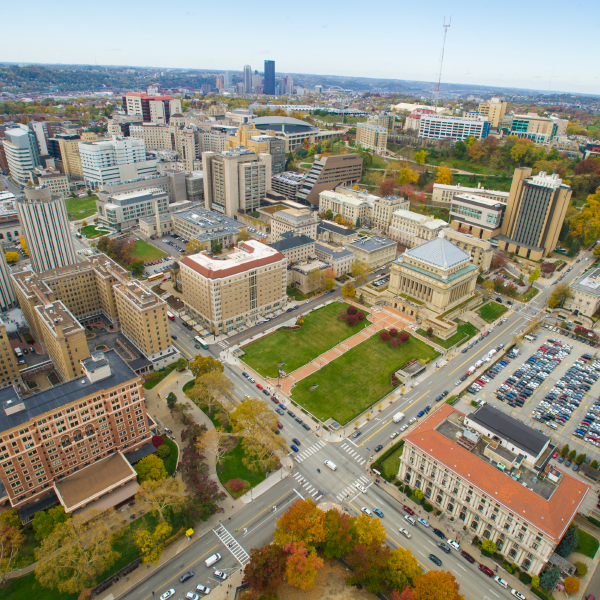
[236, 181]
[118, 159]
[152, 109]
[8, 298]
[373, 137]
[540, 130]
[440, 127]
[256, 80]
[46, 229]
[9, 370]
[494, 110]
[289, 84]
[220, 84]
[19, 154]
[318, 89]
[227, 79]
[269, 83]
[247, 78]
[534, 214]
[226, 294]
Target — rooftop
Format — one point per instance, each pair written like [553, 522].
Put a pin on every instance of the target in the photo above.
[292, 241]
[63, 394]
[297, 215]
[551, 515]
[139, 295]
[347, 198]
[460, 188]
[339, 229]
[439, 252]
[58, 315]
[589, 282]
[473, 199]
[207, 219]
[423, 220]
[335, 253]
[290, 177]
[371, 244]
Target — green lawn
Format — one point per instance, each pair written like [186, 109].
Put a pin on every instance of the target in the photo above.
[338, 119]
[321, 331]
[390, 466]
[90, 231]
[233, 468]
[158, 376]
[296, 294]
[147, 252]
[490, 311]
[171, 460]
[357, 379]
[81, 208]
[26, 554]
[465, 331]
[532, 292]
[501, 184]
[378, 162]
[588, 544]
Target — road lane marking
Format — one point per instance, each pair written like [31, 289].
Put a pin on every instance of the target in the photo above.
[494, 593]
[301, 497]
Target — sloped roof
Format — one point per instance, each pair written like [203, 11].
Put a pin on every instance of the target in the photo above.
[439, 252]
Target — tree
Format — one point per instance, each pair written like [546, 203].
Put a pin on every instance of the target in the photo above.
[534, 275]
[436, 585]
[573, 454]
[460, 149]
[24, 245]
[489, 546]
[163, 451]
[45, 522]
[84, 224]
[252, 415]
[211, 389]
[368, 563]
[352, 320]
[338, 533]
[328, 214]
[205, 364]
[171, 399]
[195, 246]
[348, 290]
[368, 531]
[403, 337]
[302, 565]
[160, 495]
[152, 543]
[216, 247]
[420, 157]
[157, 441]
[571, 585]
[560, 294]
[565, 450]
[444, 176]
[76, 552]
[387, 187]
[150, 467]
[11, 540]
[137, 266]
[316, 280]
[265, 568]
[359, 271]
[549, 578]
[10, 517]
[243, 236]
[580, 458]
[181, 364]
[569, 542]
[12, 257]
[262, 450]
[215, 442]
[581, 567]
[499, 260]
[402, 569]
[535, 581]
[302, 522]
[407, 176]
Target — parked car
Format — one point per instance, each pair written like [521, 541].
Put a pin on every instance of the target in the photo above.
[486, 570]
[435, 559]
[186, 576]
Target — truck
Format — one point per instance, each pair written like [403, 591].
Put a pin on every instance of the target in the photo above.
[398, 417]
[471, 370]
[478, 364]
[492, 352]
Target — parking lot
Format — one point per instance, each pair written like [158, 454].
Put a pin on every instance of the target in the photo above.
[541, 383]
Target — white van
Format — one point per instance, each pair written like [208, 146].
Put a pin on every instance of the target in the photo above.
[478, 364]
[331, 465]
[410, 519]
[398, 417]
[211, 560]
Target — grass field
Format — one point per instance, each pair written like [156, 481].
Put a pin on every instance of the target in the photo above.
[171, 460]
[490, 311]
[338, 119]
[234, 468]
[321, 331]
[391, 465]
[81, 208]
[501, 184]
[532, 292]
[147, 252]
[465, 331]
[588, 544]
[90, 231]
[357, 379]
[296, 294]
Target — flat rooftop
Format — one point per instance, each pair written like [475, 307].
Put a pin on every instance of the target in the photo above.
[58, 315]
[139, 295]
[474, 199]
[347, 198]
[589, 282]
[372, 243]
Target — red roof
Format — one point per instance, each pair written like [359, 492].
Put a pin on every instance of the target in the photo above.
[550, 516]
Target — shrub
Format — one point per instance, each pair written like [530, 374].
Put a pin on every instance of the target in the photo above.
[489, 546]
[157, 441]
[361, 316]
[352, 320]
[509, 569]
[384, 336]
[571, 585]
[352, 310]
[535, 581]
[237, 484]
[418, 494]
[394, 342]
[163, 451]
[393, 332]
[594, 464]
[427, 507]
[343, 316]
[582, 568]
[403, 337]
[407, 490]
[525, 578]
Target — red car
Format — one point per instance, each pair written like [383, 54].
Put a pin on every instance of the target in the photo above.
[274, 399]
[467, 556]
[409, 510]
[280, 425]
[260, 387]
[555, 455]
[486, 570]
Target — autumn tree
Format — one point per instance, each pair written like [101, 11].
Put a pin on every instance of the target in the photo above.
[368, 563]
[436, 585]
[387, 187]
[420, 157]
[316, 280]
[76, 552]
[150, 467]
[24, 245]
[243, 236]
[368, 532]
[559, 295]
[407, 176]
[348, 290]
[215, 442]
[499, 260]
[265, 568]
[205, 364]
[339, 533]
[444, 176]
[12, 257]
[11, 541]
[44, 522]
[402, 569]
[160, 495]
[571, 585]
[534, 275]
[10, 517]
[301, 522]
[302, 565]
[152, 543]
[360, 270]
[211, 389]
[195, 246]
[252, 415]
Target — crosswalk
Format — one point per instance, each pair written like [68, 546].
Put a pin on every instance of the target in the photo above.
[308, 487]
[223, 344]
[352, 489]
[301, 456]
[351, 451]
[238, 552]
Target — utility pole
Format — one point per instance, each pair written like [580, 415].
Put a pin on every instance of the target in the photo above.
[436, 89]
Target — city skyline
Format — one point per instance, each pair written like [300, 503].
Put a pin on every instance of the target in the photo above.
[410, 53]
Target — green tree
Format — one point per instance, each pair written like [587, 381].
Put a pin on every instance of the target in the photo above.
[535, 581]
[216, 247]
[243, 236]
[420, 157]
[549, 578]
[338, 533]
[137, 266]
[565, 450]
[594, 464]
[573, 454]
[44, 522]
[205, 364]
[181, 364]
[460, 149]
[568, 544]
[152, 543]
[89, 192]
[289, 161]
[150, 467]
[582, 568]
[171, 399]
[11, 518]
[580, 458]
[560, 294]
[489, 546]
[534, 275]
[329, 215]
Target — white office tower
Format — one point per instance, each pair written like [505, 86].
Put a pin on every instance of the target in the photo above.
[43, 217]
[247, 79]
[111, 161]
[19, 154]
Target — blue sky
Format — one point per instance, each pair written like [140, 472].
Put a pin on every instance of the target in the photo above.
[513, 43]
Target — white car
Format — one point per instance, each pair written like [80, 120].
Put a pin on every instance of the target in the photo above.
[517, 594]
[457, 382]
[251, 380]
[423, 522]
[404, 532]
[168, 594]
[362, 488]
[413, 420]
[394, 435]
[403, 428]
[367, 511]
[192, 596]
[202, 589]
[220, 575]
[453, 544]
[501, 582]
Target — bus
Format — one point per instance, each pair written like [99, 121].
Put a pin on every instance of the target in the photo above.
[201, 342]
[155, 276]
[170, 315]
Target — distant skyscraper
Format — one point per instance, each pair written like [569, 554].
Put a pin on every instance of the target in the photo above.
[219, 84]
[46, 229]
[269, 83]
[248, 78]
[227, 79]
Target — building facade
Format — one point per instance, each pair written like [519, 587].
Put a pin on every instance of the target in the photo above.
[411, 229]
[373, 137]
[439, 127]
[375, 251]
[494, 110]
[51, 178]
[19, 154]
[152, 109]
[480, 250]
[45, 223]
[479, 216]
[269, 78]
[9, 370]
[8, 298]
[288, 183]
[124, 210]
[585, 294]
[356, 210]
[223, 295]
[444, 193]
[302, 221]
[297, 248]
[339, 259]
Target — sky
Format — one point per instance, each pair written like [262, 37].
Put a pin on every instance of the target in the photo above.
[525, 44]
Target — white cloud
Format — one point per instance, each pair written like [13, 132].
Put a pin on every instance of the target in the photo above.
[262, 51]
[112, 48]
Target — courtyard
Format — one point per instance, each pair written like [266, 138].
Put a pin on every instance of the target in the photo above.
[357, 379]
[322, 330]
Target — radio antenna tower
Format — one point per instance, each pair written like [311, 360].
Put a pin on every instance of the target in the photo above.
[436, 89]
